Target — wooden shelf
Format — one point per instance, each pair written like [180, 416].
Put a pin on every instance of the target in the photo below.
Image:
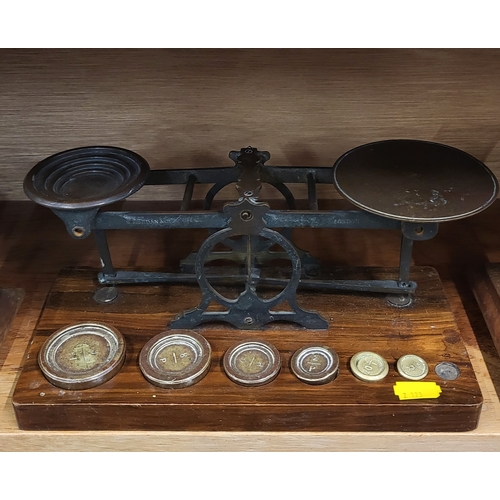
[34, 246]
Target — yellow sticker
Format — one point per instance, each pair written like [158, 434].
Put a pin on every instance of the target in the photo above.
[417, 390]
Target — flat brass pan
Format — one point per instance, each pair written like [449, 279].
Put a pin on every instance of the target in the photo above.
[86, 177]
[415, 181]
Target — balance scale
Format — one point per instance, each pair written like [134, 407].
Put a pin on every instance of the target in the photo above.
[253, 333]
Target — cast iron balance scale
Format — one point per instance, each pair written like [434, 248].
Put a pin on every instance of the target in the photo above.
[253, 359]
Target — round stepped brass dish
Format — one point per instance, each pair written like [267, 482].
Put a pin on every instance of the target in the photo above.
[87, 177]
[415, 181]
[82, 356]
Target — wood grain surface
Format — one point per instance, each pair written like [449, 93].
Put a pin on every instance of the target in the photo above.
[358, 322]
[183, 108]
[35, 246]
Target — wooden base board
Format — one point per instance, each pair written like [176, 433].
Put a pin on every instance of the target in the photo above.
[358, 322]
[485, 285]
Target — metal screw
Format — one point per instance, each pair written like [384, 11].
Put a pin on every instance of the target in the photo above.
[248, 320]
[246, 215]
[399, 300]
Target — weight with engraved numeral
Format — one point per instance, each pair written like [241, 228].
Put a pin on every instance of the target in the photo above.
[369, 366]
[175, 359]
[82, 356]
[315, 364]
[252, 363]
[412, 367]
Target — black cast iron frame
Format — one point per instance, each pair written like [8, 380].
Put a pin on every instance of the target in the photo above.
[249, 227]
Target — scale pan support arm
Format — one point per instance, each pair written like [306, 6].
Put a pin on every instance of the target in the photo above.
[78, 222]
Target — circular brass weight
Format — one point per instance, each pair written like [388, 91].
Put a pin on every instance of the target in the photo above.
[252, 363]
[315, 364]
[412, 367]
[82, 356]
[369, 366]
[175, 359]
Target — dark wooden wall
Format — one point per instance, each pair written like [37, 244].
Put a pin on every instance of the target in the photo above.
[181, 108]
